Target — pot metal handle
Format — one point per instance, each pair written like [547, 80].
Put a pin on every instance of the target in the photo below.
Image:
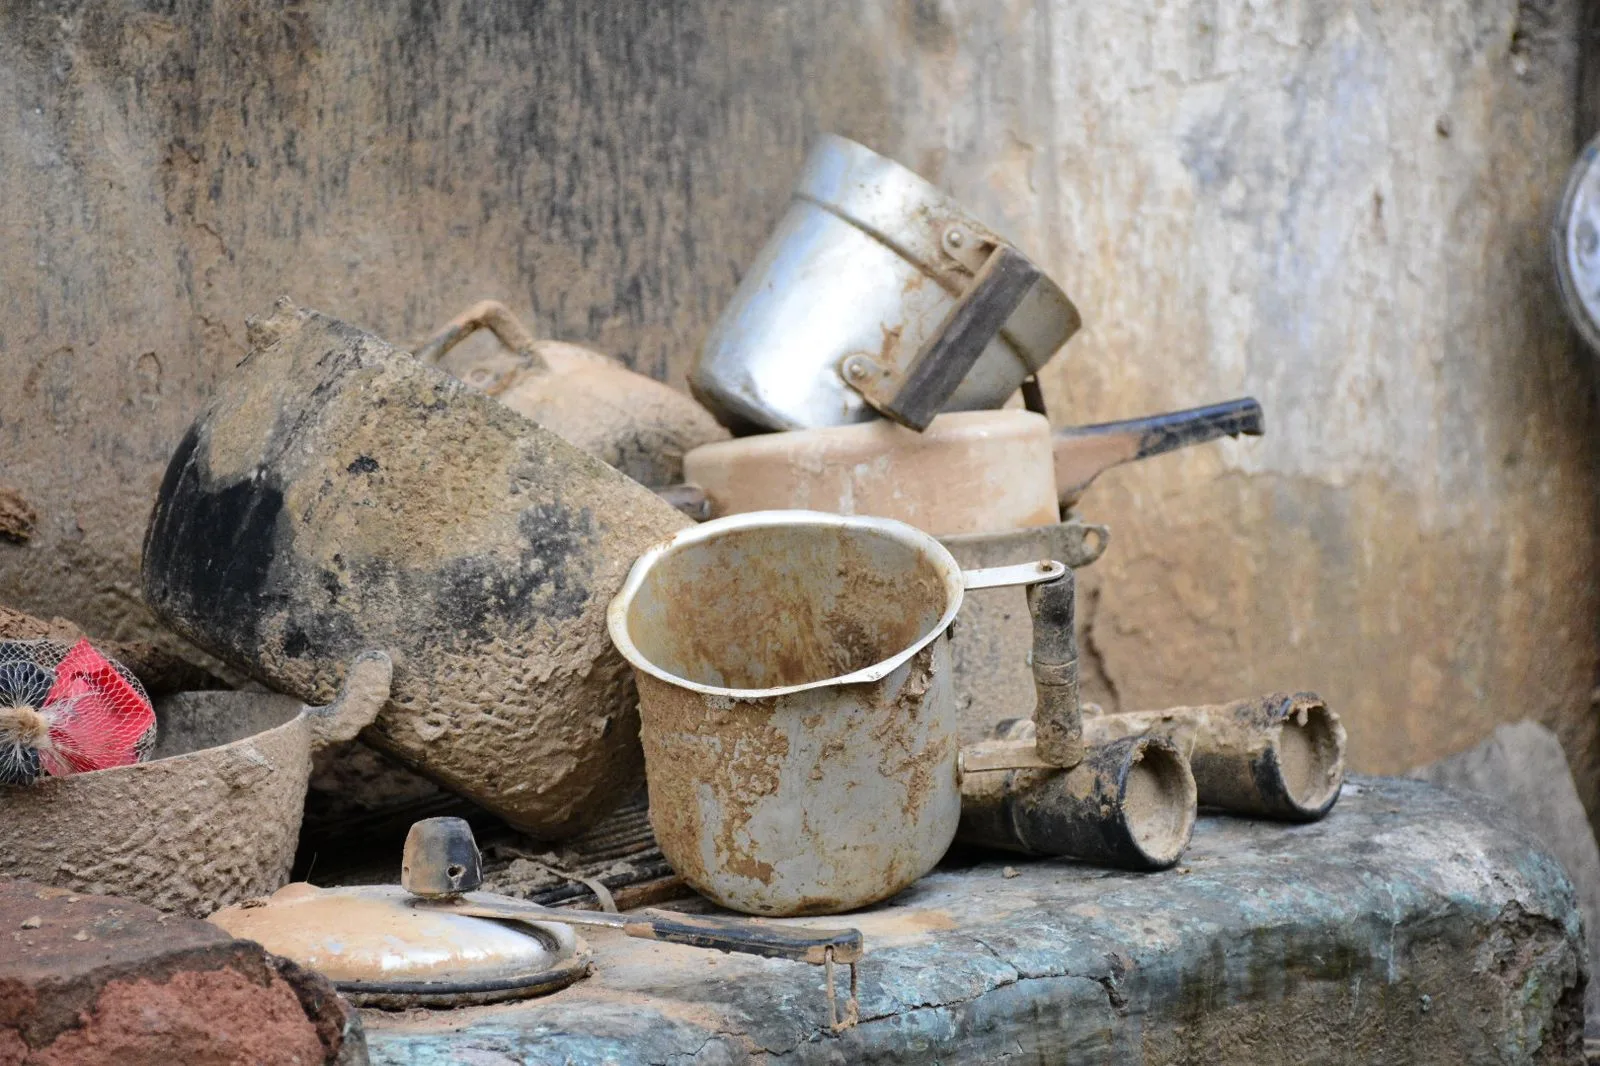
[1052, 600]
[1083, 453]
[914, 395]
[995, 577]
[497, 318]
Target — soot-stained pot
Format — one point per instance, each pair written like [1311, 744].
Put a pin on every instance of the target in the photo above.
[338, 495]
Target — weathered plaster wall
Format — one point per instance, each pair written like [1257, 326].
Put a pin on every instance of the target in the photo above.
[1339, 206]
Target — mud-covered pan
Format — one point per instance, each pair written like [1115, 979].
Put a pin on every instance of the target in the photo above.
[799, 720]
[212, 819]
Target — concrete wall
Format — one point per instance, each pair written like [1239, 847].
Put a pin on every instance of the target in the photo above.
[1340, 207]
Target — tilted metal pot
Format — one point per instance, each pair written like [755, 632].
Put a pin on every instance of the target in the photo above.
[876, 291]
[337, 495]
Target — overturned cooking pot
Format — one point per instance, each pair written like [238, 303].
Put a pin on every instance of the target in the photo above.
[630, 421]
[338, 495]
[969, 472]
[876, 293]
[798, 716]
[212, 818]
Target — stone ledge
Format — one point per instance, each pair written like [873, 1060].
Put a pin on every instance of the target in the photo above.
[1414, 925]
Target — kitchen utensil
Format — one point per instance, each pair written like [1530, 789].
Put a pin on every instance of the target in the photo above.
[380, 950]
[1129, 803]
[443, 870]
[969, 472]
[876, 291]
[213, 817]
[427, 943]
[630, 421]
[338, 494]
[799, 721]
[1274, 756]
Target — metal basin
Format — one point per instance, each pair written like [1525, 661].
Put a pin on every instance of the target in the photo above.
[212, 819]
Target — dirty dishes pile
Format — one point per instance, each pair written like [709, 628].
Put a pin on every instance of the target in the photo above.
[549, 631]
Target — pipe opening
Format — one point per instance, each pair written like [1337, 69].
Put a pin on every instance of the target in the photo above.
[1311, 756]
[1159, 802]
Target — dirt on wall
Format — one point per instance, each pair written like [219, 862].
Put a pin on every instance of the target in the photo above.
[1338, 207]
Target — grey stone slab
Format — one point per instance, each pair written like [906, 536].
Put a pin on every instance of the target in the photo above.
[1414, 925]
[1524, 767]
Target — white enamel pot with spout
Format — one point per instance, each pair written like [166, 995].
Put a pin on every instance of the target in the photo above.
[969, 472]
[799, 718]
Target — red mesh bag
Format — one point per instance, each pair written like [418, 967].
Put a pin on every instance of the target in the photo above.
[68, 710]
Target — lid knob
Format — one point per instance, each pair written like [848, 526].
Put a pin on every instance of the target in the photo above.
[441, 859]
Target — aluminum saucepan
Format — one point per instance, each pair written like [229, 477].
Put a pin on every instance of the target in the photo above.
[798, 714]
[875, 294]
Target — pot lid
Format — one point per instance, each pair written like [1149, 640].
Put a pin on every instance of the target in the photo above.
[1576, 243]
[378, 946]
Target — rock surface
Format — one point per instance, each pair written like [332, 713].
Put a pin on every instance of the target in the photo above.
[1523, 767]
[1412, 926]
[96, 979]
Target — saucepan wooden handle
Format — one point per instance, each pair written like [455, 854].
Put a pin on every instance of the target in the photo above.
[796, 942]
[1082, 453]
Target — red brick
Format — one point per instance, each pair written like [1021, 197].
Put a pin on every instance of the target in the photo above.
[94, 979]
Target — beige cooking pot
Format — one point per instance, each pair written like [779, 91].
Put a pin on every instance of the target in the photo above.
[969, 472]
[630, 421]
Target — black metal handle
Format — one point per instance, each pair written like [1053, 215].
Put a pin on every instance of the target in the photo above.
[938, 369]
[1179, 429]
[747, 937]
[1083, 453]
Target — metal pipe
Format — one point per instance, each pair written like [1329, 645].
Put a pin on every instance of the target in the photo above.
[1129, 803]
[1057, 715]
[1275, 756]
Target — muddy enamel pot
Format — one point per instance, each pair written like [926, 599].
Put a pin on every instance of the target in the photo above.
[339, 495]
[799, 722]
[211, 819]
[968, 472]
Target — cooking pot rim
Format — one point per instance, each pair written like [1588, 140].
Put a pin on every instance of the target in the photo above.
[937, 554]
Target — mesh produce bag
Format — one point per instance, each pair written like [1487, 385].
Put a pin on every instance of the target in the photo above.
[68, 710]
